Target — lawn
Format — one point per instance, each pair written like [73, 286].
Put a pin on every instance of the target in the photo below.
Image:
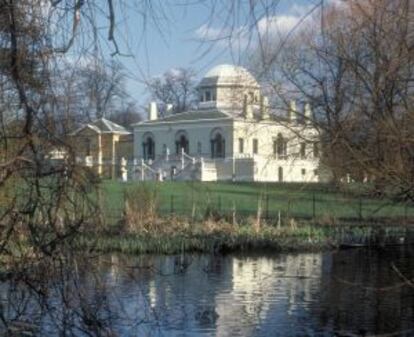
[303, 201]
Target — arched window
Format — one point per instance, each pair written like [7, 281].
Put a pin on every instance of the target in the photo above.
[207, 95]
[87, 147]
[148, 146]
[199, 148]
[181, 142]
[281, 147]
[218, 144]
[315, 150]
[303, 150]
[251, 97]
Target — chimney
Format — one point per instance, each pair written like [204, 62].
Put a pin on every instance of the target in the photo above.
[292, 112]
[264, 107]
[247, 109]
[308, 113]
[152, 111]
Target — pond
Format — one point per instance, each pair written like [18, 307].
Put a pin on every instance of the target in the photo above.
[355, 292]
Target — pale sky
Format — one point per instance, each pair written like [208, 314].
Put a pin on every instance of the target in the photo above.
[180, 37]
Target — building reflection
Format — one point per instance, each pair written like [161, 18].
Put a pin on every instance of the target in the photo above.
[267, 290]
[287, 294]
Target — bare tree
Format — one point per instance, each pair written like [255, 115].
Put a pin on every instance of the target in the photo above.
[126, 116]
[86, 92]
[103, 87]
[355, 67]
[45, 207]
[176, 87]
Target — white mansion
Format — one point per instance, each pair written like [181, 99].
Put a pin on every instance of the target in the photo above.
[230, 136]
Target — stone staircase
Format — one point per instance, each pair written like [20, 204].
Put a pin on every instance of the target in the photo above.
[178, 168]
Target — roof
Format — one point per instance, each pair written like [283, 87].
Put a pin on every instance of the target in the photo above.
[228, 74]
[103, 125]
[194, 115]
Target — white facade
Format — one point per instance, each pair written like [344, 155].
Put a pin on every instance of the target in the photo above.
[231, 136]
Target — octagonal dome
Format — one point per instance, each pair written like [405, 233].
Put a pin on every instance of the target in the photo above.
[228, 75]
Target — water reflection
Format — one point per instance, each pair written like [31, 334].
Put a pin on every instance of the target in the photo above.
[355, 291]
[266, 292]
[282, 295]
[363, 293]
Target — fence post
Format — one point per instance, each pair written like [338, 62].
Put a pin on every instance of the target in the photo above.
[313, 206]
[192, 194]
[234, 213]
[405, 214]
[279, 220]
[288, 209]
[172, 204]
[267, 206]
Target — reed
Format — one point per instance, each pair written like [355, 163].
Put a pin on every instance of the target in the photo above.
[174, 235]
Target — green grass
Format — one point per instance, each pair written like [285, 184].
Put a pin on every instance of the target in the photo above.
[302, 201]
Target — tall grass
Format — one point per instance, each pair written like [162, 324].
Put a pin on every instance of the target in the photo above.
[143, 226]
[175, 235]
[140, 208]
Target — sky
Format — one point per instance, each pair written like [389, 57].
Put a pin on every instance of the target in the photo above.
[188, 34]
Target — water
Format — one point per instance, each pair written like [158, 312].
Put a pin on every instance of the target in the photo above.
[352, 292]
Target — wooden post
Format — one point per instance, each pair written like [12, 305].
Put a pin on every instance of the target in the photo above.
[172, 204]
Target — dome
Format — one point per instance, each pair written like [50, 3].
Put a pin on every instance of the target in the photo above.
[227, 74]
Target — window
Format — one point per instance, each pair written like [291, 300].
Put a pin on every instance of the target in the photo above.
[315, 172]
[241, 145]
[303, 171]
[181, 142]
[302, 150]
[199, 148]
[280, 174]
[255, 146]
[251, 97]
[316, 150]
[148, 148]
[214, 96]
[281, 147]
[218, 146]
[208, 96]
[87, 146]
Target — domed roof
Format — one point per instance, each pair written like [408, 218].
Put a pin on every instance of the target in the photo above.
[228, 74]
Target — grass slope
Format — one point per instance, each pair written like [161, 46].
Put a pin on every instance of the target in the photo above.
[290, 200]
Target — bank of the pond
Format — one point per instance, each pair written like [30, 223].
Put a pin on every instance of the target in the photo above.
[229, 238]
